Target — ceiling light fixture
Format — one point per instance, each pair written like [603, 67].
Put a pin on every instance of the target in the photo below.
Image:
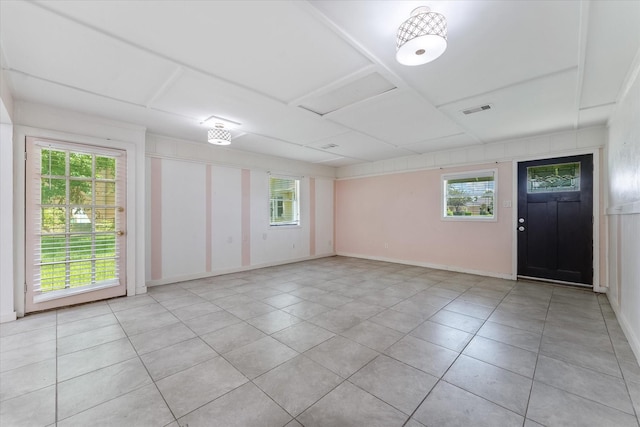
[421, 38]
[219, 135]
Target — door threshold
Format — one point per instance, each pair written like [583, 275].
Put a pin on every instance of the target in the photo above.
[556, 282]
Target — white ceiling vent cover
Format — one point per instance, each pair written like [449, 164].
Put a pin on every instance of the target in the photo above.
[477, 109]
[355, 91]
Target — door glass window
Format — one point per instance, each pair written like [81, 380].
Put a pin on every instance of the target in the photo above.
[77, 222]
[553, 178]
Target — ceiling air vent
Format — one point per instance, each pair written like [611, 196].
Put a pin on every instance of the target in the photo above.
[477, 109]
[329, 146]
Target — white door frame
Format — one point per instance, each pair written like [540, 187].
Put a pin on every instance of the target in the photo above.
[35, 301]
[135, 270]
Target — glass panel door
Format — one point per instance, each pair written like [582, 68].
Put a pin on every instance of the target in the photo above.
[75, 223]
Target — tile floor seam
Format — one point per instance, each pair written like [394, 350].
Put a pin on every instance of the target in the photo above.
[148, 373]
[204, 404]
[535, 367]
[102, 403]
[377, 398]
[309, 406]
[584, 398]
[152, 380]
[624, 380]
[441, 378]
[483, 398]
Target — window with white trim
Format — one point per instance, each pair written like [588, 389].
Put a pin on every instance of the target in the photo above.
[470, 196]
[284, 203]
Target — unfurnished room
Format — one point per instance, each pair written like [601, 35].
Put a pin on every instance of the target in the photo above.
[320, 213]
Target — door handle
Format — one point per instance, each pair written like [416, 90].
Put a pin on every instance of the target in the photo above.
[120, 233]
[521, 228]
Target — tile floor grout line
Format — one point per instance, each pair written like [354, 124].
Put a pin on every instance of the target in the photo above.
[441, 378]
[624, 380]
[535, 367]
[107, 366]
[146, 369]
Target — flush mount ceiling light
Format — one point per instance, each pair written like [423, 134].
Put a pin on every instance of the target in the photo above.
[421, 38]
[219, 135]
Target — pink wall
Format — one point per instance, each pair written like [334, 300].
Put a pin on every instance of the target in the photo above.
[398, 217]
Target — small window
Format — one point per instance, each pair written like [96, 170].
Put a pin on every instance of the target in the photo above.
[283, 201]
[469, 195]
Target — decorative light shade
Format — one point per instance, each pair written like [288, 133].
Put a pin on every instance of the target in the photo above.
[219, 135]
[421, 38]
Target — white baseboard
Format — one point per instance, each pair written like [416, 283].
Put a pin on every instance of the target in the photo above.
[431, 265]
[8, 317]
[634, 341]
[222, 272]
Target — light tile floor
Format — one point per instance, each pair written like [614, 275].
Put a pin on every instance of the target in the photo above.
[330, 342]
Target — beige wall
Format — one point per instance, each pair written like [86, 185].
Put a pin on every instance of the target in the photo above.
[399, 217]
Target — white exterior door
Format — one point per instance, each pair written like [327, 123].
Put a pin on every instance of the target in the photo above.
[75, 224]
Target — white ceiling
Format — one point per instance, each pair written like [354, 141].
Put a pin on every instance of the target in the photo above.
[543, 66]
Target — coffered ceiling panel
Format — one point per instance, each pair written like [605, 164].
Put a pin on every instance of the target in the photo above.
[199, 96]
[273, 47]
[444, 143]
[78, 56]
[397, 117]
[264, 145]
[357, 145]
[619, 31]
[44, 92]
[522, 109]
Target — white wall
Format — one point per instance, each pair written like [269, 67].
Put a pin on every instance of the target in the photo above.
[181, 209]
[7, 312]
[623, 155]
[183, 218]
[53, 123]
[226, 215]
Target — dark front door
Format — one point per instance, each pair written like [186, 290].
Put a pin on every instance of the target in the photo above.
[555, 219]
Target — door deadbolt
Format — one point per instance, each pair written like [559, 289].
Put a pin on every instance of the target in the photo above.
[521, 220]
[120, 233]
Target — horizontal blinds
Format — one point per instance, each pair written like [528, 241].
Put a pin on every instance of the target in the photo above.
[77, 193]
[471, 194]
